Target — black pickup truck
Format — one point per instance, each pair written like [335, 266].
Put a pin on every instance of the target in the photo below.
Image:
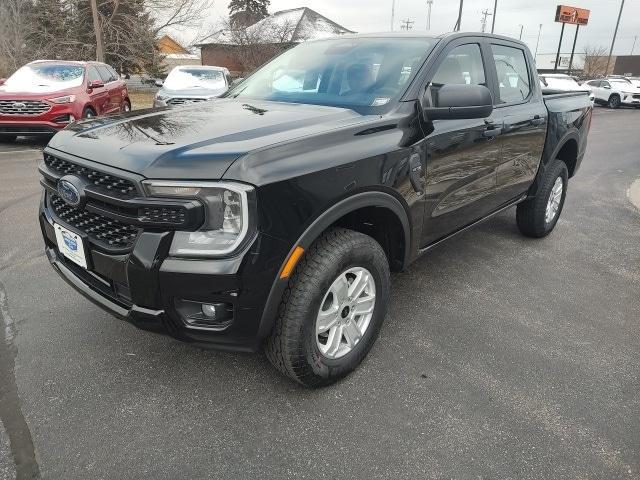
[272, 217]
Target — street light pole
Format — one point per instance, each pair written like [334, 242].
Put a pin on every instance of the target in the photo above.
[538, 42]
[429, 3]
[613, 41]
[393, 13]
[521, 28]
[493, 21]
[634, 44]
[457, 27]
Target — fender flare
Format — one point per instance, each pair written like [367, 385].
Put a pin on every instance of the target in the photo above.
[544, 163]
[315, 229]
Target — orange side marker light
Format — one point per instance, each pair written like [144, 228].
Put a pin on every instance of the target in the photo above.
[291, 262]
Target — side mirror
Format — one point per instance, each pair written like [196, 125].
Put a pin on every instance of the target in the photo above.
[96, 84]
[457, 102]
[159, 83]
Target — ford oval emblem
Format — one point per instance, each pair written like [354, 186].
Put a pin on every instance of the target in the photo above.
[69, 192]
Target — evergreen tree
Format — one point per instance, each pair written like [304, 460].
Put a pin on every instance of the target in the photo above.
[247, 12]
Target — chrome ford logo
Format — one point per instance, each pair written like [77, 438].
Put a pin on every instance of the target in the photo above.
[19, 105]
[68, 190]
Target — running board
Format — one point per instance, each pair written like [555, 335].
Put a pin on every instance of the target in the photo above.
[471, 225]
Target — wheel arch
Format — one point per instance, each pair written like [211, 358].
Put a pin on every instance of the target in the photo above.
[355, 212]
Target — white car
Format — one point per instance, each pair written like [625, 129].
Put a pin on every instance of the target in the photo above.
[614, 92]
[187, 84]
[560, 82]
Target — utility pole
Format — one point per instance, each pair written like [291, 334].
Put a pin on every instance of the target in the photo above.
[493, 20]
[97, 30]
[613, 41]
[407, 24]
[429, 3]
[483, 22]
[521, 28]
[457, 27]
[538, 42]
[393, 13]
[634, 44]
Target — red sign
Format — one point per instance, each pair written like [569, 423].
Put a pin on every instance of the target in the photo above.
[572, 15]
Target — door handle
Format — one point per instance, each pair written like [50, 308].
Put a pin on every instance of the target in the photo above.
[537, 120]
[415, 173]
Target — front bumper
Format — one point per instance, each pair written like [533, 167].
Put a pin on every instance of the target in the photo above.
[47, 123]
[142, 287]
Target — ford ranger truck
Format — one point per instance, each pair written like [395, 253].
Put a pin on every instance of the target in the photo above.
[272, 217]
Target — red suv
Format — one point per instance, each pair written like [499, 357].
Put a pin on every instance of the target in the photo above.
[45, 96]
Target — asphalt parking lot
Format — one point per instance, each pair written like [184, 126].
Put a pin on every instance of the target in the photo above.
[502, 357]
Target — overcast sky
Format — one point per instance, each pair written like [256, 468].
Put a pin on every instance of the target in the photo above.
[375, 16]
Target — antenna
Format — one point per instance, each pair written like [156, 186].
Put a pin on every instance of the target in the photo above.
[483, 22]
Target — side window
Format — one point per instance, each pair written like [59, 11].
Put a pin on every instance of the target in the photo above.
[594, 83]
[113, 72]
[605, 84]
[513, 74]
[462, 65]
[104, 73]
[93, 74]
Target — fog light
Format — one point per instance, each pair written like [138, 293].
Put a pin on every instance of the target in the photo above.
[209, 310]
[205, 316]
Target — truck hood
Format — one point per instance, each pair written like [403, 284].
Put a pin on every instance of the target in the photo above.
[196, 142]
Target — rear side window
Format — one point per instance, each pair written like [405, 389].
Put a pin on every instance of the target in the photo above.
[513, 74]
[105, 74]
[463, 65]
[594, 83]
[93, 74]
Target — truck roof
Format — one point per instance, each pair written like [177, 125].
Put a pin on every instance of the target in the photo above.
[414, 34]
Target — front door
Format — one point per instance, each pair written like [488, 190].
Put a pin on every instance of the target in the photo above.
[523, 115]
[462, 155]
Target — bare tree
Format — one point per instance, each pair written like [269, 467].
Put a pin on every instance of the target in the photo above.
[15, 28]
[595, 61]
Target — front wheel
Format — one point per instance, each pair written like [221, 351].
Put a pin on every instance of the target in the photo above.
[126, 106]
[537, 216]
[88, 113]
[332, 309]
[614, 101]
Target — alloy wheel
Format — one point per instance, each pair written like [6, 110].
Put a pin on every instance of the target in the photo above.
[553, 203]
[345, 312]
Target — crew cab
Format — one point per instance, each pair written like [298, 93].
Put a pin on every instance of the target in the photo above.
[615, 92]
[45, 96]
[272, 217]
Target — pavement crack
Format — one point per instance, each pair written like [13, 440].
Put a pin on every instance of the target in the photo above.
[11, 415]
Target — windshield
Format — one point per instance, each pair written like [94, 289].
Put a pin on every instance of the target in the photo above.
[364, 74]
[188, 78]
[45, 78]
[561, 83]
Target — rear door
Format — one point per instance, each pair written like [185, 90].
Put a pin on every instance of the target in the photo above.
[523, 115]
[109, 79]
[461, 155]
[99, 96]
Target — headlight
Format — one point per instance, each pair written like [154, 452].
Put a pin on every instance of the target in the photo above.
[65, 99]
[230, 216]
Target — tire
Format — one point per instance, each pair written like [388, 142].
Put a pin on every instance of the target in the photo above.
[614, 101]
[531, 215]
[88, 112]
[126, 106]
[295, 347]
[7, 138]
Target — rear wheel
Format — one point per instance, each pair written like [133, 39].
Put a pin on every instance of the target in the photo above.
[332, 309]
[614, 101]
[537, 216]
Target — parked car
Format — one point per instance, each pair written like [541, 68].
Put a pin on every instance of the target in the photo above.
[273, 216]
[191, 84]
[560, 82]
[45, 96]
[614, 92]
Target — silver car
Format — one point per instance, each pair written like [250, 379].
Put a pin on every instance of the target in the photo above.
[192, 83]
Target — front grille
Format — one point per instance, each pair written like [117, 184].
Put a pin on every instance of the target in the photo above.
[23, 107]
[184, 101]
[101, 230]
[103, 181]
[636, 96]
[175, 215]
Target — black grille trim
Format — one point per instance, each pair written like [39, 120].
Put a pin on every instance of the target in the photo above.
[102, 231]
[101, 181]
